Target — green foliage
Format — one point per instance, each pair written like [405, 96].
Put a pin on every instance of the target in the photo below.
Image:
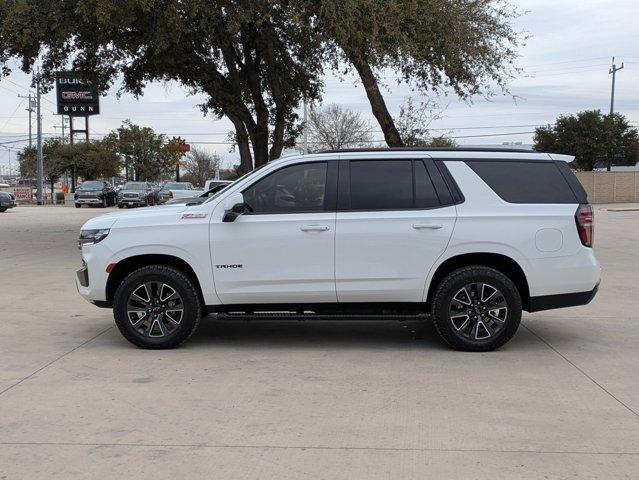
[145, 152]
[591, 137]
[253, 59]
[96, 159]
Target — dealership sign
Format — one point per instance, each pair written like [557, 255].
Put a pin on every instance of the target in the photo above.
[75, 96]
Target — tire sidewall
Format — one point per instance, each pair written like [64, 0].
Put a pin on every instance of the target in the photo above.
[175, 279]
[452, 284]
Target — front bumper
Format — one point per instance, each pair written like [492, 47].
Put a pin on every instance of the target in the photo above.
[88, 201]
[131, 201]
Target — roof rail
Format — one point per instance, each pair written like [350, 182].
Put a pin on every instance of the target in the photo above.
[431, 149]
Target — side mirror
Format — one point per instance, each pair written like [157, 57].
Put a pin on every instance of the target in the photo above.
[234, 207]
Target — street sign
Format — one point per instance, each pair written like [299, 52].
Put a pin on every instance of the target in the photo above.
[22, 193]
[76, 97]
[185, 147]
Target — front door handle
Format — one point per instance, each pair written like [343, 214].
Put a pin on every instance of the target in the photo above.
[432, 226]
[314, 228]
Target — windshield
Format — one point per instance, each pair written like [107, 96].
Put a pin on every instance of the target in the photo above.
[91, 185]
[134, 186]
[174, 186]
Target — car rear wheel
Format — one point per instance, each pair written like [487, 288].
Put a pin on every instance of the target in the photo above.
[157, 307]
[476, 309]
[3, 209]
[77, 205]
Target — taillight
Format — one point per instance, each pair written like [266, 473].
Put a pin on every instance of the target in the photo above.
[584, 217]
[170, 194]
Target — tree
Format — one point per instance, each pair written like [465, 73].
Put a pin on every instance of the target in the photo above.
[459, 45]
[413, 122]
[253, 59]
[145, 152]
[334, 127]
[590, 137]
[200, 166]
[90, 160]
[28, 159]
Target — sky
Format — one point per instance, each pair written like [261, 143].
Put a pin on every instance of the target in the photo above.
[565, 61]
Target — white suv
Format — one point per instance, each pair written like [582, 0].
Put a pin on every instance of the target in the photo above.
[469, 237]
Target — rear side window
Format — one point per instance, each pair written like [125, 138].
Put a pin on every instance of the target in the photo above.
[525, 182]
[381, 184]
[391, 185]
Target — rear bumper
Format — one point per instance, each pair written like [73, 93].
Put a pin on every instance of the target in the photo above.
[549, 302]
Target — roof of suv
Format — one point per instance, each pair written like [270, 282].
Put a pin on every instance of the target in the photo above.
[469, 153]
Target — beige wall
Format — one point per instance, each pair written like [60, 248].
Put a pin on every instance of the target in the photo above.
[610, 187]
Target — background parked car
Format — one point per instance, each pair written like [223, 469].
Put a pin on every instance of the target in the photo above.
[136, 194]
[200, 198]
[164, 192]
[7, 200]
[95, 193]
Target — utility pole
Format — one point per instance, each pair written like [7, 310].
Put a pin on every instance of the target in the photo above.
[613, 71]
[30, 110]
[305, 137]
[39, 142]
[62, 126]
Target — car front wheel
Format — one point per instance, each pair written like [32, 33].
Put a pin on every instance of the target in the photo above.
[476, 309]
[157, 307]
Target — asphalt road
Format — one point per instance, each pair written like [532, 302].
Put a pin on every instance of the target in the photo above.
[317, 400]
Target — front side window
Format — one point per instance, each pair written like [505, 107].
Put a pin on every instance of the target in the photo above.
[298, 188]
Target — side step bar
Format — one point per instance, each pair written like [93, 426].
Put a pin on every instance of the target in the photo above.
[320, 316]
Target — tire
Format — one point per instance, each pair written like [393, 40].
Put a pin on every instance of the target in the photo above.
[2, 210]
[77, 205]
[165, 328]
[120, 205]
[476, 309]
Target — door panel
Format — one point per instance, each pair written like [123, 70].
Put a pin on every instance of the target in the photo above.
[283, 252]
[280, 258]
[393, 222]
[385, 256]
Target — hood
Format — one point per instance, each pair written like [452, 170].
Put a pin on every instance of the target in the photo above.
[139, 214]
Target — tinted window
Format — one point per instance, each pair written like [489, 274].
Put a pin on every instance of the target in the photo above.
[381, 184]
[298, 188]
[525, 182]
[425, 194]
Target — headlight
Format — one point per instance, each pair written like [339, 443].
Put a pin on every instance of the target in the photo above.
[92, 236]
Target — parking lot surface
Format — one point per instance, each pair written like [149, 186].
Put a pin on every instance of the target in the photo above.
[294, 400]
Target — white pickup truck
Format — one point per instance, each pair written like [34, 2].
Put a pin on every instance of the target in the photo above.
[186, 190]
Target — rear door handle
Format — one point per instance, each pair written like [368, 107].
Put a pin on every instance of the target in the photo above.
[314, 228]
[432, 226]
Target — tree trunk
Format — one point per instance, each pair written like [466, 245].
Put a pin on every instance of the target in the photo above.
[242, 139]
[386, 122]
[278, 136]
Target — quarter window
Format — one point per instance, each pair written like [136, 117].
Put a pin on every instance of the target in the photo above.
[298, 188]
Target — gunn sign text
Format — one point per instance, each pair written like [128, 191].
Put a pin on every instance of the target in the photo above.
[76, 97]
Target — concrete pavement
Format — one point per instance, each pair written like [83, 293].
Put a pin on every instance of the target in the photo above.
[334, 400]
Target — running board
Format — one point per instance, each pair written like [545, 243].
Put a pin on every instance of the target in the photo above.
[320, 316]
